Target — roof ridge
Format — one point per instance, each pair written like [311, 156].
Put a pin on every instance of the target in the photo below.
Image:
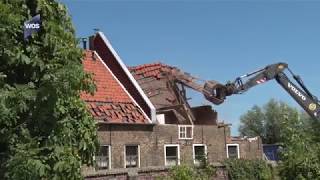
[157, 63]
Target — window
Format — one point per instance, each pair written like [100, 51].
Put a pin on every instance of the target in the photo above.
[199, 153]
[233, 151]
[172, 155]
[132, 156]
[103, 159]
[185, 131]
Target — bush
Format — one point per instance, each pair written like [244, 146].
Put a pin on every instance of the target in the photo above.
[182, 172]
[300, 156]
[240, 169]
[300, 160]
[185, 172]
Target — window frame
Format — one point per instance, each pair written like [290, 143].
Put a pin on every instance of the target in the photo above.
[109, 156]
[194, 152]
[165, 153]
[125, 156]
[238, 149]
[185, 126]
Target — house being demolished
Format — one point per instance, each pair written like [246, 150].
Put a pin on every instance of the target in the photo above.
[165, 87]
[145, 121]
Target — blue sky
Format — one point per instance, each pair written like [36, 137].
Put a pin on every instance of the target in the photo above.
[213, 40]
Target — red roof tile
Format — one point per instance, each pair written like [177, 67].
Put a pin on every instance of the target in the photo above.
[150, 73]
[117, 113]
[110, 103]
[156, 70]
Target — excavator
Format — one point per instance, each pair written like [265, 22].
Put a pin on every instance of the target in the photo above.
[216, 92]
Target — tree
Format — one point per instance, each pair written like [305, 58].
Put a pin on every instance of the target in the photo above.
[300, 157]
[296, 133]
[245, 169]
[267, 121]
[252, 123]
[46, 131]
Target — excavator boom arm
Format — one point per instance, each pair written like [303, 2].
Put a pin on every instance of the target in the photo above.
[301, 97]
[217, 93]
[274, 71]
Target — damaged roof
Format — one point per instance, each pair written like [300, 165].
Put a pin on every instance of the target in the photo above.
[154, 79]
[156, 70]
[111, 103]
[159, 82]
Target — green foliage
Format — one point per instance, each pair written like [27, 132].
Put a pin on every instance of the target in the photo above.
[252, 123]
[301, 150]
[267, 121]
[46, 131]
[182, 172]
[204, 170]
[185, 172]
[298, 135]
[240, 169]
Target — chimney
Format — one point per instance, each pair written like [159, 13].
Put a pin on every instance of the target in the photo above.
[84, 43]
[91, 44]
[91, 39]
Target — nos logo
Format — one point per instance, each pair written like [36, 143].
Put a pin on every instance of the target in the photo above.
[32, 26]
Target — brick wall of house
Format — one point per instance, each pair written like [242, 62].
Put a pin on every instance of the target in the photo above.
[152, 138]
[250, 149]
